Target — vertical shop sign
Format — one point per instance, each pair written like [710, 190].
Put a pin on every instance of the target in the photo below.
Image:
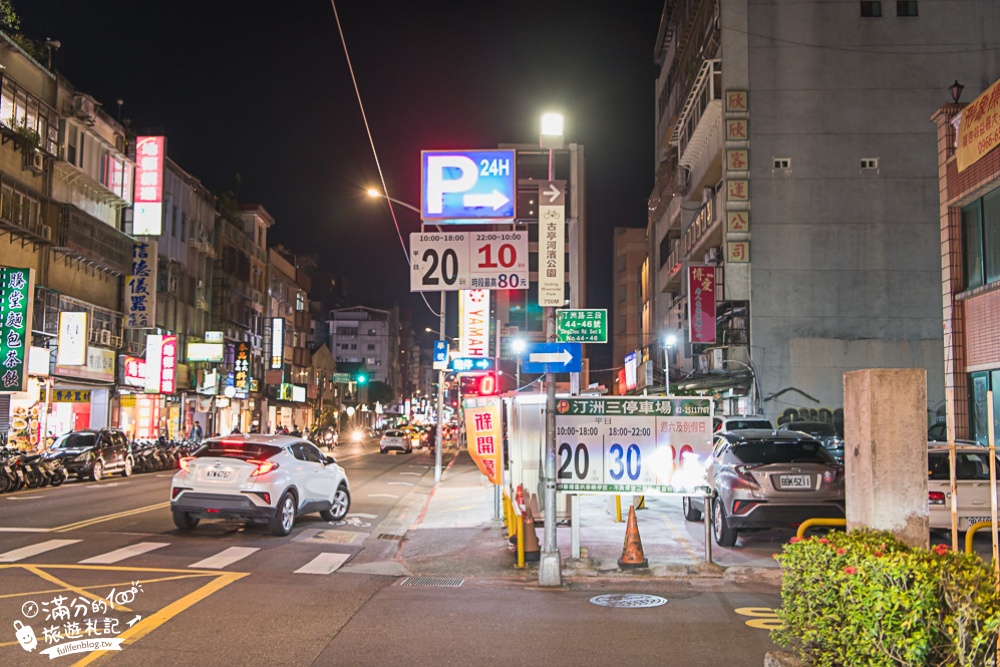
[241, 378]
[474, 322]
[168, 365]
[277, 342]
[701, 303]
[483, 435]
[73, 339]
[17, 289]
[552, 244]
[147, 217]
[154, 362]
[140, 286]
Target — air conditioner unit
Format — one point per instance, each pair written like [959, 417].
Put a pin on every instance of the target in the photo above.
[711, 255]
[104, 337]
[717, 358]
[83, 108]
[35, 161]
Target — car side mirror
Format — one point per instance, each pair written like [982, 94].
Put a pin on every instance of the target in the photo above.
[329, 460]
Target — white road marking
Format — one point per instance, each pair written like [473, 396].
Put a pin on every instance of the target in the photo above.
[415, 474]
[400, 483]
[14, 529]
[381, 495]
[225, 557]
[34, 550]
[34, 495]
[323, 564]
[123, 553]
[363, 516]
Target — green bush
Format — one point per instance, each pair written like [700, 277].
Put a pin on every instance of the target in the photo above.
[865, 598]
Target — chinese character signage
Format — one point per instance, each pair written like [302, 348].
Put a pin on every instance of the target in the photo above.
[582, 325]
[638, 445]
[483, 435]
[738, 221]
[738, 190]
[631, 366]
[979, 132]
[134, 371]
[474, 323]
[147, 219]
[736, 101]
[737, 129]
[701, 303]
[100, 366]
[72, 339]
[241, 376]
[552, 244]
[140, 287]
[161, 364]
[17, 289]
[737, 159]
[738, 251]
[277, 342]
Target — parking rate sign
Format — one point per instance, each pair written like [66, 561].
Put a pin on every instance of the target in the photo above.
[641, 445]
[451, 261]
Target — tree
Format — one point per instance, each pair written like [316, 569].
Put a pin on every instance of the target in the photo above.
[381, 392]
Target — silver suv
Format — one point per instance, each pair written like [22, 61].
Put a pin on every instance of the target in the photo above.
[737, 422]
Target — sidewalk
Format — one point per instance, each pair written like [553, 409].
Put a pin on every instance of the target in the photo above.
[455, 534]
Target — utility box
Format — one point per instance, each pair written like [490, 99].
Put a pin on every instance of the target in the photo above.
[524, 424]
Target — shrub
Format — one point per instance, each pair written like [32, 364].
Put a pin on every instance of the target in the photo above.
[865, 598]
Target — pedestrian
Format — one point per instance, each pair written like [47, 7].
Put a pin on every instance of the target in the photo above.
[196, 432]
[295, 431]
[284, 430]
[236, 430]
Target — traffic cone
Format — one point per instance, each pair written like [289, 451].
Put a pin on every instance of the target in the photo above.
[632, 556]
[532, 551]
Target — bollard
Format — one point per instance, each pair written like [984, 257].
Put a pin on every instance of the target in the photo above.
[708, 529]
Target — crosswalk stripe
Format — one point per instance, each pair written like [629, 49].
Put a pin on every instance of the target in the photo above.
[225, 557]
[324, 563]
[123, 553]
[34, 550]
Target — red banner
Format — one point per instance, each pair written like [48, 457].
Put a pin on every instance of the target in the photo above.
[484, 435]
[701, 303]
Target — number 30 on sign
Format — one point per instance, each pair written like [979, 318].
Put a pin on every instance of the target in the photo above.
[451, 261]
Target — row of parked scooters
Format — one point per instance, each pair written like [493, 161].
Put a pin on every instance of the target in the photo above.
[20, 469]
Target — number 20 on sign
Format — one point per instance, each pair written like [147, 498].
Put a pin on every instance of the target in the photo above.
[454, 261]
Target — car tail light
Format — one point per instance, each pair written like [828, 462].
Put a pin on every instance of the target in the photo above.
[936, 497]
[263, 467]
[744, 506]
[178, 491]
[185, 461]
[830, 476]
[744, 472]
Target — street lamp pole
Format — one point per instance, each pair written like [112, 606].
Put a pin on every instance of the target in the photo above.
[518, 346]
[668, 342]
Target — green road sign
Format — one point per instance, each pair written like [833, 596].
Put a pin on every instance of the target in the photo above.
[587, 325]
[341, 378]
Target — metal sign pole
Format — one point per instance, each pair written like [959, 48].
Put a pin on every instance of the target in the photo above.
[950, 397]
[440, 405]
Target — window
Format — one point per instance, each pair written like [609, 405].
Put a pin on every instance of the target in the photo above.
[782, 163]
[300, 301]
[906, 8]
[871, 8]
[869, 163]
[371, 346]
[980, 383]
[372, 332]
[981, 240]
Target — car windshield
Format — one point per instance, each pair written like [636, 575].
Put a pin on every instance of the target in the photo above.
[785, 451]
[821, 429]
[968, 466]
[394, 434]
[238, 449]
[75, 440]
[738, 424]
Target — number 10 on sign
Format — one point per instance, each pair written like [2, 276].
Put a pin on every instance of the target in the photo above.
[452, 261]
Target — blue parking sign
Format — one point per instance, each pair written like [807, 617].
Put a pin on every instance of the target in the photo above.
[464, 185]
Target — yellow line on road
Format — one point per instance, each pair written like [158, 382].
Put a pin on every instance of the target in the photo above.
[112, 585]
[681, 539]
[107, 517]
[52, 579]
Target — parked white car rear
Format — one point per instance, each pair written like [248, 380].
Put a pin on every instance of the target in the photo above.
[972, 475]
[262, 478]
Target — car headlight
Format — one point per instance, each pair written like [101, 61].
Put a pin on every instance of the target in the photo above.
[82, 457]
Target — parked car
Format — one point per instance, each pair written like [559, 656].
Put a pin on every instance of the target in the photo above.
[268, 479]
[93, 453]
[972, 479]
[768, 479]
[396, 439]
[822, 431]
[737, 422]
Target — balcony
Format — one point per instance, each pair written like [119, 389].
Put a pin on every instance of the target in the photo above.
[92, 242]
[702, 232]
[204, 247]
[21, 211]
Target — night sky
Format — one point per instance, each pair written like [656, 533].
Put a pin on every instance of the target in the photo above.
[262, 90]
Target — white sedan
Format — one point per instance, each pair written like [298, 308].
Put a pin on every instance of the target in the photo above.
[262, 478]
[972, 479]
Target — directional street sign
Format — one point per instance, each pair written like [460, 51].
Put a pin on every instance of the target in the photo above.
[552, 358]
[341, 378]
[467, 364]
[467, 185]
[440, 355]
[582, 325]
[552, 244]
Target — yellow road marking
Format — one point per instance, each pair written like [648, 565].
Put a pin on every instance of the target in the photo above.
[681, 539]
[764, 618]
[59, 582]
[107, 517]
[113, 585]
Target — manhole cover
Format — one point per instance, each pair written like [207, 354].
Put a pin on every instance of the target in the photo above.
[630, 600]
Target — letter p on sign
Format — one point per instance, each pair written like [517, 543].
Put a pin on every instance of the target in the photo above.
[448, 174]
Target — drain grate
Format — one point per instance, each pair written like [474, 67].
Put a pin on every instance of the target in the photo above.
[628, 600]
[389, 536]
[431, 581]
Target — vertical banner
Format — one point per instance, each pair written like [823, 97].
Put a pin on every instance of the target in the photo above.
[147, 218]
[701, 303]
[168, 365]
[73, 339]
[277, 343]
[154, 362]
[241, 377]
[17, 290]
[474, 323]
[484, 436]
[978, 133]
[552, 244]
[140, 287]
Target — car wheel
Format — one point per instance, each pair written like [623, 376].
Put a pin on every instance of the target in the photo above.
[725, 536]
[691, 513]
[97, 474]
[59, 477]
[185, 520]
[127, 470]
[341, 503]
[284, 516]
[381, 451]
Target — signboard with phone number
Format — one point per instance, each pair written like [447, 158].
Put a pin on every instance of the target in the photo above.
[452, 261]
[640, 445]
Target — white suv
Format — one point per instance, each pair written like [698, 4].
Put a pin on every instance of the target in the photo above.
[263, 478]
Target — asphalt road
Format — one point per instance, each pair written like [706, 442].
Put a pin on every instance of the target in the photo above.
[97, 556]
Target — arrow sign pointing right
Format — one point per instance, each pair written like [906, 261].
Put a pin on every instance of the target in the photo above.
[553, 358]
[552, 193]
[562, 357]
[494, 200]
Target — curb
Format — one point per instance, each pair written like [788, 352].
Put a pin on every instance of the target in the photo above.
[781, 659]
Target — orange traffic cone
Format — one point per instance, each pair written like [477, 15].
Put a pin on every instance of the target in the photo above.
[632, 555]
[532, 551]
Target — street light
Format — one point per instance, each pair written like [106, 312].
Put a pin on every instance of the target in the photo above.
[518, 346]
[372, 192]
[668, 342]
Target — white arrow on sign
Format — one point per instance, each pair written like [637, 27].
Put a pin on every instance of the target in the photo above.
[494, 199]
[563, 357]
[552, 193]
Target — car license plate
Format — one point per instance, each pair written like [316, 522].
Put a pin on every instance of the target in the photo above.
[794, 482]
[217, 474]
[975, 519]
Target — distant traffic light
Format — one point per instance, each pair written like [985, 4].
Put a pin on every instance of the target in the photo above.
[362, 378]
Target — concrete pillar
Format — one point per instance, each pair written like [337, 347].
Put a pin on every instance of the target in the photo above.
[885, 454]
